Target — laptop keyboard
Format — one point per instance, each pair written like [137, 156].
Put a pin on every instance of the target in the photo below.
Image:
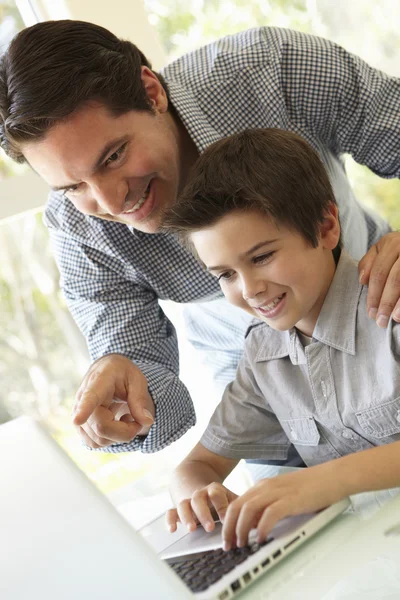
[201, 570]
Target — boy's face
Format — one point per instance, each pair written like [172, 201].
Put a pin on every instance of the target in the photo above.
[271, 272]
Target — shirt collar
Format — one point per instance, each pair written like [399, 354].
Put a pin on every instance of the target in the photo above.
[336, 324]
[192, 116]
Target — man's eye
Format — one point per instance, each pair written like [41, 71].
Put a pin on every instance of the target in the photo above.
[115, 156]
[71, 191]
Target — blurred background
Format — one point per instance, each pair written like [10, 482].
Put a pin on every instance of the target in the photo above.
[42, 354]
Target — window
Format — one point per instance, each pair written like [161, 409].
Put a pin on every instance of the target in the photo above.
[370, 31]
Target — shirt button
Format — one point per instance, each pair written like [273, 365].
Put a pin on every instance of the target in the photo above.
[293, 434]
[346, 434]
[398, 416]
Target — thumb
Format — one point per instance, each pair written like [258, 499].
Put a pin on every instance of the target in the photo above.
[140, 402]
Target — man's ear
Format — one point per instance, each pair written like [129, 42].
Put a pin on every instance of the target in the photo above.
[330, 227]
[154, 90]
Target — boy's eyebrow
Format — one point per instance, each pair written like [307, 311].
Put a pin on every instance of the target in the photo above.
[250, 251]
[102, 156]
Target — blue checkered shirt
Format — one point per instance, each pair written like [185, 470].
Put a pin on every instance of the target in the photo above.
[113, 276]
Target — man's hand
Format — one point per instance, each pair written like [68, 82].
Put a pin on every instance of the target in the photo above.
[198, 509]
[380, 270]
[270, 500]
[113, 403]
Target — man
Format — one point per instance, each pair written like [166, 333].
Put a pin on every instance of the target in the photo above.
[115, 141]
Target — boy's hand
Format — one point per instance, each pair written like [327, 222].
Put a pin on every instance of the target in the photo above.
[270, 500]
[198, 509]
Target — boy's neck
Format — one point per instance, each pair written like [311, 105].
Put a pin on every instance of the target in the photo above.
[306, 326]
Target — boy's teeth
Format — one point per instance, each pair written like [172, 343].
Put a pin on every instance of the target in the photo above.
[272, 304]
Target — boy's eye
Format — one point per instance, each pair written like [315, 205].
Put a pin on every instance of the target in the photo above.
[263, 258]
[115, 156]
[225, 276]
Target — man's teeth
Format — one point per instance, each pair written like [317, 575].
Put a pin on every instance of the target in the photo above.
[140, 203]
[272, 305]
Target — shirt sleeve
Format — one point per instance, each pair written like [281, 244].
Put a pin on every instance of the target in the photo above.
[118, 316]
[340, 99]
[243, 425]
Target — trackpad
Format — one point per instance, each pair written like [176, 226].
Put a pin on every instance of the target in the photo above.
[195, 541]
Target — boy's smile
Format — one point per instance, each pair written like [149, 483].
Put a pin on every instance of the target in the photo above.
[271, 272]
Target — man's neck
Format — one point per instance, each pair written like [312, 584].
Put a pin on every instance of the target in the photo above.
[187, 150]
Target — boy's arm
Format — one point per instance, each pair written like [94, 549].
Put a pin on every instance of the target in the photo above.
[308, 490]
[196, 488]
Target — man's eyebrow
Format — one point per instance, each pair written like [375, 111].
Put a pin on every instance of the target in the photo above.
[102, 156]
[249, 251]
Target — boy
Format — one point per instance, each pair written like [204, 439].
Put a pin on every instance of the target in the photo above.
[261, 216]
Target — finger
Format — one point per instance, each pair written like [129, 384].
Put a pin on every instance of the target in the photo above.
[269, 518]
[90, 398]
[186, 515]
[366, 263]
[219, 500]
[96, 439]
[248, 518]
[379, 275]
[141, 405]
[201, 509]
[172, 519]
[103, 425]
[396, 312]
[86, 439]
[120, 409]
[390, 296]
[229, 526]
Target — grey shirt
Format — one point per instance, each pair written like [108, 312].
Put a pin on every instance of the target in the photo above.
[338, 395]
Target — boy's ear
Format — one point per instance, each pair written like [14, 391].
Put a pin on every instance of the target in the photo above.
[330, 228]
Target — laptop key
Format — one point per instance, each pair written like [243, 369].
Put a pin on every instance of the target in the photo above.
[199, 574]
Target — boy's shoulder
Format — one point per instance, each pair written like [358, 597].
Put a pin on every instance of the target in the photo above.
[264, 343]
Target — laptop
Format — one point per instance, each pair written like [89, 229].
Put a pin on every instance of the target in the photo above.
[61, 538]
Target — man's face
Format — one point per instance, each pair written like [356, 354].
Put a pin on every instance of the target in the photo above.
[272, 273]
[125, 169]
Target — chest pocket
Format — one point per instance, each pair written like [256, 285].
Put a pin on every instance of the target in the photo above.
[302, 431]
[381, 421]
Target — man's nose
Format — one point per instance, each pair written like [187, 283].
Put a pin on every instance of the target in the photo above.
[252, 286]
[110, 196]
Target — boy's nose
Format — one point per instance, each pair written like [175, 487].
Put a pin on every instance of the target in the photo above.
[252, 287]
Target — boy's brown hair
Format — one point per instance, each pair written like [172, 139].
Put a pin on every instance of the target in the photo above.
[271, 170]
[55, 67]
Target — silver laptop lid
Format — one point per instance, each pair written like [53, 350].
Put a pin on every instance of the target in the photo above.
[60, 537]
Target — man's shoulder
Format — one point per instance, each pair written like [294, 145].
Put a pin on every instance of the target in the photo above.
[61, 215]
[242, 50]
[67, 222]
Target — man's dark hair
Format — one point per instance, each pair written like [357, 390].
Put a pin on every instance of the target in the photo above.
[270, 170]
[55, 67]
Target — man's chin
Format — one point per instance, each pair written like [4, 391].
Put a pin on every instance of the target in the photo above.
[150, 225]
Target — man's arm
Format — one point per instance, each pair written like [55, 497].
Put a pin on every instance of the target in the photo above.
[350, 106]
[136, 350]
[353, 108]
